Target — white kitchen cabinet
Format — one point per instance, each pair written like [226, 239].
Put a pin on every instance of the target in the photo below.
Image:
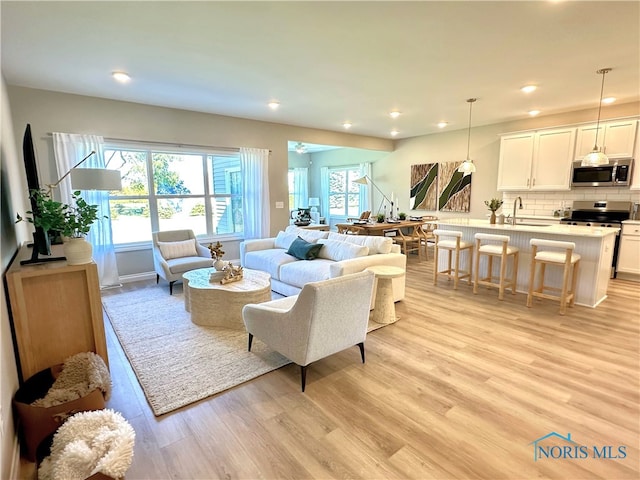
[617, 139]
[516, 155]
[629, 253]
[539, 160]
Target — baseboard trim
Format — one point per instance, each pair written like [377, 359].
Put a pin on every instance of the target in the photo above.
[629, 276]
[137, 277]
[15, 459]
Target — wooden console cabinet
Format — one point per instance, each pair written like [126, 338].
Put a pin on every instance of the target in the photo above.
[56, 310]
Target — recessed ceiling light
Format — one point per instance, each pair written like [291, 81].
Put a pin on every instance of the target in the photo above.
[533, 113]
[608, 100]
[122, 77]
[394, 133]
[347, 125]
[528, 88]
[274, 105]
[394, 114]
[442, 124]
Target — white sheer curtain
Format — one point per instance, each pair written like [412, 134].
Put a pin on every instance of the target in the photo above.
[300, 187]
[366, 193]
[255, 192]
[324, 194]
[69, 149]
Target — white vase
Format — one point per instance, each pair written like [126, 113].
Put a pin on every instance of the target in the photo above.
[218, 264]
[78, 251]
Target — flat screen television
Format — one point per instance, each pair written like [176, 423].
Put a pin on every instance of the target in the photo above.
[41, 244]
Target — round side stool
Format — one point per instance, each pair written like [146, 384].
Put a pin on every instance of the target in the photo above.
[384, 310]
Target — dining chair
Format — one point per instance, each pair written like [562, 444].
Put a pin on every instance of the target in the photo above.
[410, 242]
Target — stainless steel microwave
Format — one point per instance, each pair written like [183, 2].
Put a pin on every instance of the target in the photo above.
[616, 174]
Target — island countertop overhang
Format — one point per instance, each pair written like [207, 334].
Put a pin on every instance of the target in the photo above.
[595, 245]
[555, 229]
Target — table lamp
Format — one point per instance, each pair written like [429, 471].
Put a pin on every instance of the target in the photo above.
[314, 202]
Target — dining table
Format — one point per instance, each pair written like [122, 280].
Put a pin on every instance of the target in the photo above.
[378, 228]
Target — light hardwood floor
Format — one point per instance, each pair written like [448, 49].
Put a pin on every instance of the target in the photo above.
[458, 388]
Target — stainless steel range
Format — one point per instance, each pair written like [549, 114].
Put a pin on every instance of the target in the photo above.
[601, 213]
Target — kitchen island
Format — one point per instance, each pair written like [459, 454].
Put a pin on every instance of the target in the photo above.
[594, 244]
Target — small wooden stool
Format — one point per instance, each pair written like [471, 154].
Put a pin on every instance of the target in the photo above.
[567, 259]
[503, 252]
[452, 242]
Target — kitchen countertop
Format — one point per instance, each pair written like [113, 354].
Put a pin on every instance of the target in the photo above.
[555, 229]
[631, 222]
[540, 217]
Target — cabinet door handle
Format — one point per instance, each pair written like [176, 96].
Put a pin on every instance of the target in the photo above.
[533, 184]
[528, 182]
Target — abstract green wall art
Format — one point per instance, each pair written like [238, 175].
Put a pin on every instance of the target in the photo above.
[424, 185]
[454, 188]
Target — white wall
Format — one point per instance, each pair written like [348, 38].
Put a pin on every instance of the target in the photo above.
[11, 173]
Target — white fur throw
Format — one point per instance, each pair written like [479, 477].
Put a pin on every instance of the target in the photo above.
[81, 374]
[87, 443]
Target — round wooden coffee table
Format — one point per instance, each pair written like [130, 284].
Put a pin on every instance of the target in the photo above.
[215, 305]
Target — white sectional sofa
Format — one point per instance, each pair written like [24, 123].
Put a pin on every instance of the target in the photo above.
[339, 255]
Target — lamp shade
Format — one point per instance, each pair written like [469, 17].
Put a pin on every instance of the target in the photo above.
[467, 167]
[362, 180]
[96, 179]
[595, 159]
[314, 202]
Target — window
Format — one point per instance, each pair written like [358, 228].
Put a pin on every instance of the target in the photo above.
[200, 191]
[344, 195]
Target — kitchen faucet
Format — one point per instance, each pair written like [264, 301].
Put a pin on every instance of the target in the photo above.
[513, 219]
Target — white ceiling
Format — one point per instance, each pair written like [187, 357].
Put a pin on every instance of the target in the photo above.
[328, 62]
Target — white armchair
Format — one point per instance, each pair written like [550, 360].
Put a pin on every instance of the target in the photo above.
[325, 318]
[176, 252]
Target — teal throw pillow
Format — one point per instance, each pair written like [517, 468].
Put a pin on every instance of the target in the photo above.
[303, 250]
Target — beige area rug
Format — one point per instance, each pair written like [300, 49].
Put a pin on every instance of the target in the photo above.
[176, 361]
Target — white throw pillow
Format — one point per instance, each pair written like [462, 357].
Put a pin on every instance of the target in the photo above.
[376, 244]
[311, 236]
[338, 251]
[284, 240]
[184, 248]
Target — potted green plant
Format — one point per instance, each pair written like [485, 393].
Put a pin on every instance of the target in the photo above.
[493, 205]
[71, 221]
[402, 216]
[380, 218]
[77, 220]
[48, 215]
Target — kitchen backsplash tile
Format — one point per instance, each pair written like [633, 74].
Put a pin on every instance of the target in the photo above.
[545, 203]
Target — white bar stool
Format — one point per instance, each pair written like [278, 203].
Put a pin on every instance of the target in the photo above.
[502, 252]
[566, 258]
[452, 242]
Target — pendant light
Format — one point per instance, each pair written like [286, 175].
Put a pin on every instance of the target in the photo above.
[300, 148]
[596, 157]
[467, 167]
